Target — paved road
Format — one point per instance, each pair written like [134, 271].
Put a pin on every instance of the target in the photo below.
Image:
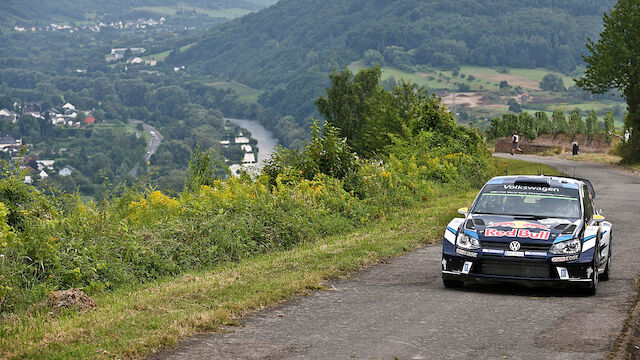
[401, 310]
[154, 142]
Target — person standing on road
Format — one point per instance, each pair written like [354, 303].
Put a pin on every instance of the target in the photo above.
[627, 135]
[515, 139]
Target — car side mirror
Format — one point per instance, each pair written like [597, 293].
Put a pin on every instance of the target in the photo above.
[598, 218]
[463, 211]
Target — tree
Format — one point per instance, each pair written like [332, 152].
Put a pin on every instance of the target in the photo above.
[514, 106]
[552, 82]
[592, 125]
[609, 126]
[576, 125]
[347, 103]
[612, 63]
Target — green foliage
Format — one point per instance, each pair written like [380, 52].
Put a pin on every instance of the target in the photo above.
[552, 82]
[576, 124]
[592, 125]
[609, 126]
[439, 33]
[347, 102]
[612, 64]
[204, 169]
[559, 123]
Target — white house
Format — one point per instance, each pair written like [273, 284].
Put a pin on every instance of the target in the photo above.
[43, 174]
[66, 171]
[68, 106]
[249, 158]
[242, 140]
[6, 114]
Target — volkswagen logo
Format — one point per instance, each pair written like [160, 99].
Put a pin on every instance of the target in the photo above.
[514, 246]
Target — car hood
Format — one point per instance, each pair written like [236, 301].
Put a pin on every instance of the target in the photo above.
[505, 228]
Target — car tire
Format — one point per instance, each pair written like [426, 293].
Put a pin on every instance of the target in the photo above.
[607, 268]
[452, 284]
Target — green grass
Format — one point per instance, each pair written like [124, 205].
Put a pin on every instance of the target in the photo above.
[130, 323]
[163, 55]
[245, 92]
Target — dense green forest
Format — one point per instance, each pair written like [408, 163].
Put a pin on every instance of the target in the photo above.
[289, 48]
[43, 12]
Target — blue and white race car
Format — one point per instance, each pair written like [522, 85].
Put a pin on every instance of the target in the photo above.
[533, 230]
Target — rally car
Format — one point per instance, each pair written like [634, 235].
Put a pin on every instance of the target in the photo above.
[533, 230]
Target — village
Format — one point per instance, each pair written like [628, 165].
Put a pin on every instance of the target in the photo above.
[17, 151]
[117, 25]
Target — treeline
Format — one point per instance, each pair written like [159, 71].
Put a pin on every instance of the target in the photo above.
[289, 48]
[532, 126]
[138, 234]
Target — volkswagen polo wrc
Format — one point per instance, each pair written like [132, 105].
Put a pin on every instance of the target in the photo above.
[534, 230]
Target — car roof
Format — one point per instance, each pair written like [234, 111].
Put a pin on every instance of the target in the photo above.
[544, 180]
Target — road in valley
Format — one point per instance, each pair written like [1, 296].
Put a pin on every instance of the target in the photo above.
[155, 138]
[400, 309]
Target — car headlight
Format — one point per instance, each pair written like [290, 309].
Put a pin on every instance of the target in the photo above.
[465, 241]
[568, 247]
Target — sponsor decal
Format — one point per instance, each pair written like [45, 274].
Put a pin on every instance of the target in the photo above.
[514, 253]
[519, 224]
[466, 253]
[564, 258]
[517, 233]
[533, 188]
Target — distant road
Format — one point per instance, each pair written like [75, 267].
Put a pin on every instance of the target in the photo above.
[400, 309]
[152, 146]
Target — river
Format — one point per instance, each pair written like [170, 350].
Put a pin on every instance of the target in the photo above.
[266, 141]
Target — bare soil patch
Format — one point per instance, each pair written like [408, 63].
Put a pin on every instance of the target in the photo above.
[70, 299]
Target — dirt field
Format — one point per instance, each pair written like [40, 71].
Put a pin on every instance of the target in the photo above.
[513, 80]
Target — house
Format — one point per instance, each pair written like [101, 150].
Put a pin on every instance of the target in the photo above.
[242, 140]
[249, 158]
[135, 61]
[225, 142]
[28, 180]
[45, 164]
[6, 114]
[90, 120]
[246, 148]
[43, 174]
[68, 106]
[66, 171]
[7, 142]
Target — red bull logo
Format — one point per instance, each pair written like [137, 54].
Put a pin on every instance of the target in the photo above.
[517, 233]
[518, 224]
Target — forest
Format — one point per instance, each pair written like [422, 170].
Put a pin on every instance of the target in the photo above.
[290, 48]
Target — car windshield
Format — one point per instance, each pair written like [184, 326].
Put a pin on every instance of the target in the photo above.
[547, 202]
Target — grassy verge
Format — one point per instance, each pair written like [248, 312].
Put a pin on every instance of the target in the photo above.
[607, 159]
[130, 323]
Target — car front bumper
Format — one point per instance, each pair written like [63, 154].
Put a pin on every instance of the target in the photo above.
[536, 270]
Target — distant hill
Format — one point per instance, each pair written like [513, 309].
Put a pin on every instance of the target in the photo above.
[38, 12]
[289, 48]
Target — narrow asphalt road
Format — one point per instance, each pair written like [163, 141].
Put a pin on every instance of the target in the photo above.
[401, 309]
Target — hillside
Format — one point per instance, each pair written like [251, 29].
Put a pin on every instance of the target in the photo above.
[289, 48]
[43, 12]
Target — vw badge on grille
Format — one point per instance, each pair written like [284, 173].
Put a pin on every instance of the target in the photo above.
[514, 246]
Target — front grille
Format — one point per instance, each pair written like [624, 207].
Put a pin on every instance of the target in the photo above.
[530, 269]
[497, 245]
